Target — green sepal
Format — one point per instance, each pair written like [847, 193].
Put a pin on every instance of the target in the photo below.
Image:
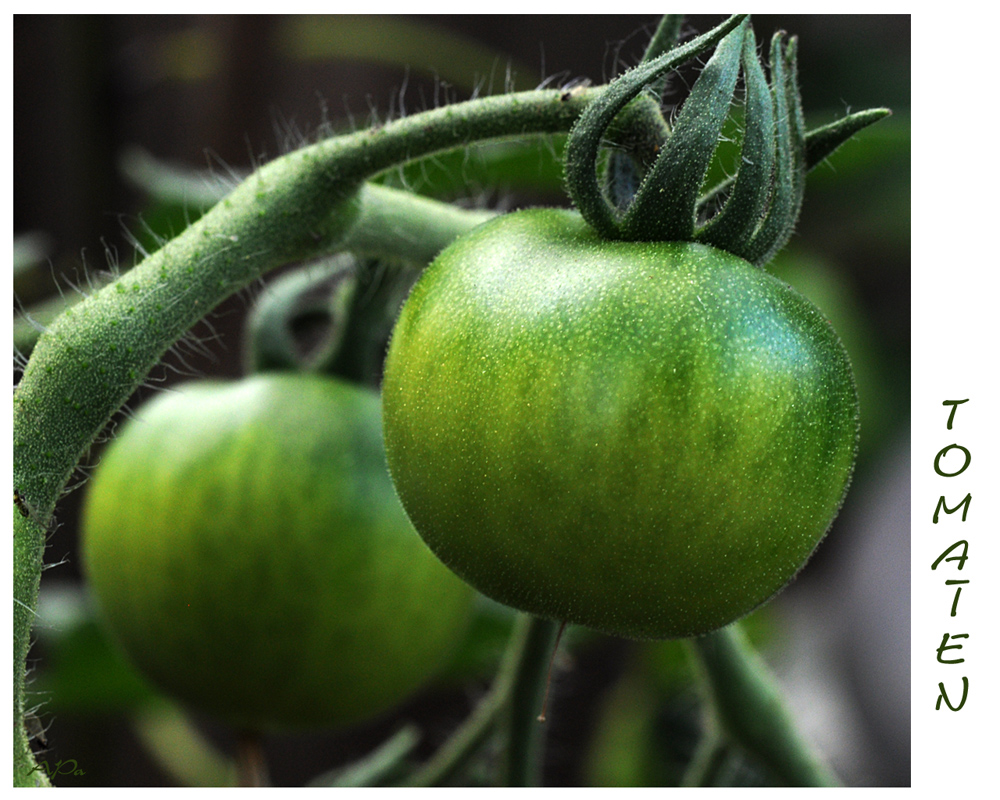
[664, 206]
[789, 175]
[822, 141]
[751, 214]
[819, 142]
[665, 38]
[743, 211]
[586, 135]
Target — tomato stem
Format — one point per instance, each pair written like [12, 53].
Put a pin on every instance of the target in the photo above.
[466, 740]
[171, 739]
[308, 292]
[516, 692]
[548, 674]
[748, 708]
[379, 767]
[400, 233]
[709, 758]
[396, 224]
[525, 742]
[300, 206]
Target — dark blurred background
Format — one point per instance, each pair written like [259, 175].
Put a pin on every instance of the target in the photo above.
[94, 94]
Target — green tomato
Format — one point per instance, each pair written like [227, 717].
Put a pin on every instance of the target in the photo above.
[247, 549]
[649, 439]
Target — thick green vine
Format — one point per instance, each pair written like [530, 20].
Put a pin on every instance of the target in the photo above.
[307, 203]
[302, 205]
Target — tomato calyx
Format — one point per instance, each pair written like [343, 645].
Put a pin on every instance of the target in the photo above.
[751, 214]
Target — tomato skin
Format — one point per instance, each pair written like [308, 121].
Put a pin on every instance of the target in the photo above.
[246, 547]
[649, 439]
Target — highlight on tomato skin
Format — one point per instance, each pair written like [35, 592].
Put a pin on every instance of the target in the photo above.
[649, 439]
[246, 549]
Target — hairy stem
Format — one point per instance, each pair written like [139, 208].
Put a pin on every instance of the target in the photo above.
[301, 205]
[95, 355]
[396, 224]
[394, 227]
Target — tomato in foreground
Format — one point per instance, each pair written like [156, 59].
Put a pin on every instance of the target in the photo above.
[245, 544]
[649, 439]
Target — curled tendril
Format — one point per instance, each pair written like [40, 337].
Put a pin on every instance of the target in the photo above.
[754, 212]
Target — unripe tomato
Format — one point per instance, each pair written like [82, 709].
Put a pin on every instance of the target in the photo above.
[245, 545]
[649, 439]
